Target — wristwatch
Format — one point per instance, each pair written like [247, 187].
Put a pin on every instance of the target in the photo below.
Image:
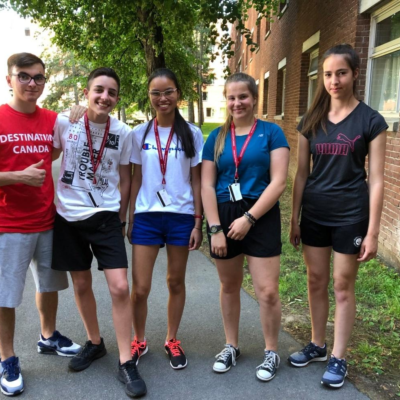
[215, 229]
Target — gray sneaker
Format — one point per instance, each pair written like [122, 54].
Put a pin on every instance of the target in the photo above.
[310, 353]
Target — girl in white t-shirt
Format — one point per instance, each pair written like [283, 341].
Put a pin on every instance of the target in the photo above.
[165, 207]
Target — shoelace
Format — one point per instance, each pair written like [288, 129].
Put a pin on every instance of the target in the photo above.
[308, 348]
[63, 341]
[137, 347]
[334, 365]
[131, 372]
[11, 370]
[174, 346]
[271, 360]
[228, 351]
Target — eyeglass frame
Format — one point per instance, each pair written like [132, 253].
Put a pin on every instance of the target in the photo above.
[159, 94]
[32, 77]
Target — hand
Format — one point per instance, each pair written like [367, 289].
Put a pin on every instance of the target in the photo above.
[369, 248]
[295, 235]
[129, 231]
[218, 244]
[76, 113]
[238, 228]
[34, 175]
[196, 238]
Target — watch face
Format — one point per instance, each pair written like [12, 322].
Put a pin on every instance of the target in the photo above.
[215, 228]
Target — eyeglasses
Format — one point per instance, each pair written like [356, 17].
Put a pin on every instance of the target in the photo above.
[156, 94]
[25, 78]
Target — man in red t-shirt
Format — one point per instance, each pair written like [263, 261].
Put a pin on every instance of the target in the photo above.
[26, 216]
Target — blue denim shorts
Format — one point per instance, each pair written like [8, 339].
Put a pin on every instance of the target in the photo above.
[162, 228]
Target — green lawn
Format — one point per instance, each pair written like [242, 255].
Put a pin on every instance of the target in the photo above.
[207, 127]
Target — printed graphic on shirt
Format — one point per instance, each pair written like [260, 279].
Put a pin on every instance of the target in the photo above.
[149, 146]
[28, 142]
[339, 149]
[79, 174]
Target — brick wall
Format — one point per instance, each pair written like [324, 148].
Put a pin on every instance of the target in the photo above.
[344, 24]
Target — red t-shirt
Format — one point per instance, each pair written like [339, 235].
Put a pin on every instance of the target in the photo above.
[25, 139]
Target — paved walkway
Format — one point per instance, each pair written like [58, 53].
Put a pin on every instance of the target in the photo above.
[201, 332]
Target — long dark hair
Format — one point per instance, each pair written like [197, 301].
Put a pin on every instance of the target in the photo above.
[181, 127]
[317, 114]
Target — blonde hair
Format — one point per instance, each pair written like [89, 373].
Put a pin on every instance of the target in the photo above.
[252, 86]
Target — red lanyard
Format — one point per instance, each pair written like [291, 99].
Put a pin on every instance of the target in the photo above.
[103, 143]
[163, 160]
[237, 159]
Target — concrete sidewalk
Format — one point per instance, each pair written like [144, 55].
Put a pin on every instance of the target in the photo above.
[201, 333]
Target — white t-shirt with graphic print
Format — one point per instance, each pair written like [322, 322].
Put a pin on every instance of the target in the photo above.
[178, 183]
[78, 196]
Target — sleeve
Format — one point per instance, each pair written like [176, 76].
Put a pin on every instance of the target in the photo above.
[277, 138]
[198, 144]
[377, 125]
[136, 136]
[126, 146]
[208, 150]
[61, 125]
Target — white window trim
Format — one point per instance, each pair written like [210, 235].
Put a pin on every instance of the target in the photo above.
[311, 42]
[266, 75]
[282, 63]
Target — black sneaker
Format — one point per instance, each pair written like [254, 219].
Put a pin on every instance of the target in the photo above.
[267, 370]
[134, 384]
[87, 355]
[226, 358]
[176, 354]
[310, 353]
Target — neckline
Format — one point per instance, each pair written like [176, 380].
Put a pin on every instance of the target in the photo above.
[346, 117]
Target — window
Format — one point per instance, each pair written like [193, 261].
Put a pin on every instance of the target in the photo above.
[384, 62]
[283, 7]
[283, 90]
[27, 32]
[222, 112]
[205, 96]
[312, 77]
[209, 112]
[280, 89]
[265, 96]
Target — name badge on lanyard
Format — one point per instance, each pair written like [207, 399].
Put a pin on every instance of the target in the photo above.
[234, 188]
[162, 195]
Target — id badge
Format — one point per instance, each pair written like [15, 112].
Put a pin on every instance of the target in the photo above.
[95, 198]
[164, 197]
[234, 191]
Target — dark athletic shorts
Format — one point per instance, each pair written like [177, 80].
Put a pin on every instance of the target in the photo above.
[262, 240]
[160, 228]
[343, 239]
[75, 243]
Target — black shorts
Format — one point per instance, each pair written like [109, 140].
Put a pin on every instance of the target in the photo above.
[75, 243]
[345, 239]
[262, 240]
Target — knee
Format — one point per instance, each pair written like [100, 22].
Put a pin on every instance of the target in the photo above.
[317, 282]
[119, 290]
[82, 286]
[343, 290]
[175, 286]
[268, 296]
[230, 287]
[140, 293]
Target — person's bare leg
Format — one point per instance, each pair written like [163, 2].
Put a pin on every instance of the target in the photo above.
[177, 260]
[121, 310]
[143, 260]
[7, 330]
[86, 303]
[317, 260]
[231, 277]
[47, 304]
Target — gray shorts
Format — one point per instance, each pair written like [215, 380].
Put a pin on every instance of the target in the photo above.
[17, 252]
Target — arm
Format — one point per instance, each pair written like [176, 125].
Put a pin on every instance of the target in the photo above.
[56, 153]
[34, 175]
[196, 236]
[303, 171]
[124, 187]
[76, 113]
[278, 172]
[135, 186]
[208, 181]
[376, 166]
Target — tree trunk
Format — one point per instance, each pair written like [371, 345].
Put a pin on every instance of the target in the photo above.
[123, 114]
[191, 111]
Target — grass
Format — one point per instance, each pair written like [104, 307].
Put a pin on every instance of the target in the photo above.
[208, 127]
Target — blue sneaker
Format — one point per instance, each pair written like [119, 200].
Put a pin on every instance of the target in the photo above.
[58, 344]
[11, 382]
[310, 353]
[336, 372]
[1, 369]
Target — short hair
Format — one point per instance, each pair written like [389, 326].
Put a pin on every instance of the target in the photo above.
[102, 71]
[21, 60]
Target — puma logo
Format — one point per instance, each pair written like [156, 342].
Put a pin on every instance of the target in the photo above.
[344, 138]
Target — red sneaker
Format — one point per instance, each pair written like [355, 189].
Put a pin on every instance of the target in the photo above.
[138, 349]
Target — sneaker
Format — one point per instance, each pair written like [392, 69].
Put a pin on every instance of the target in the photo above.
[11, 382]
[226, 358]
[176, 354]
[1, 369]
[310, 353]
[138, 349]
[336, 372]
[57, 344]
[89, 352]
[267, 370]
[129, 374]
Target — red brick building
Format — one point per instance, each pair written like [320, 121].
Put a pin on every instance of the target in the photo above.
[287, 67]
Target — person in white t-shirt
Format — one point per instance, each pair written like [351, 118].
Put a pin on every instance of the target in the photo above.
[93, 196]
[165, 207]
